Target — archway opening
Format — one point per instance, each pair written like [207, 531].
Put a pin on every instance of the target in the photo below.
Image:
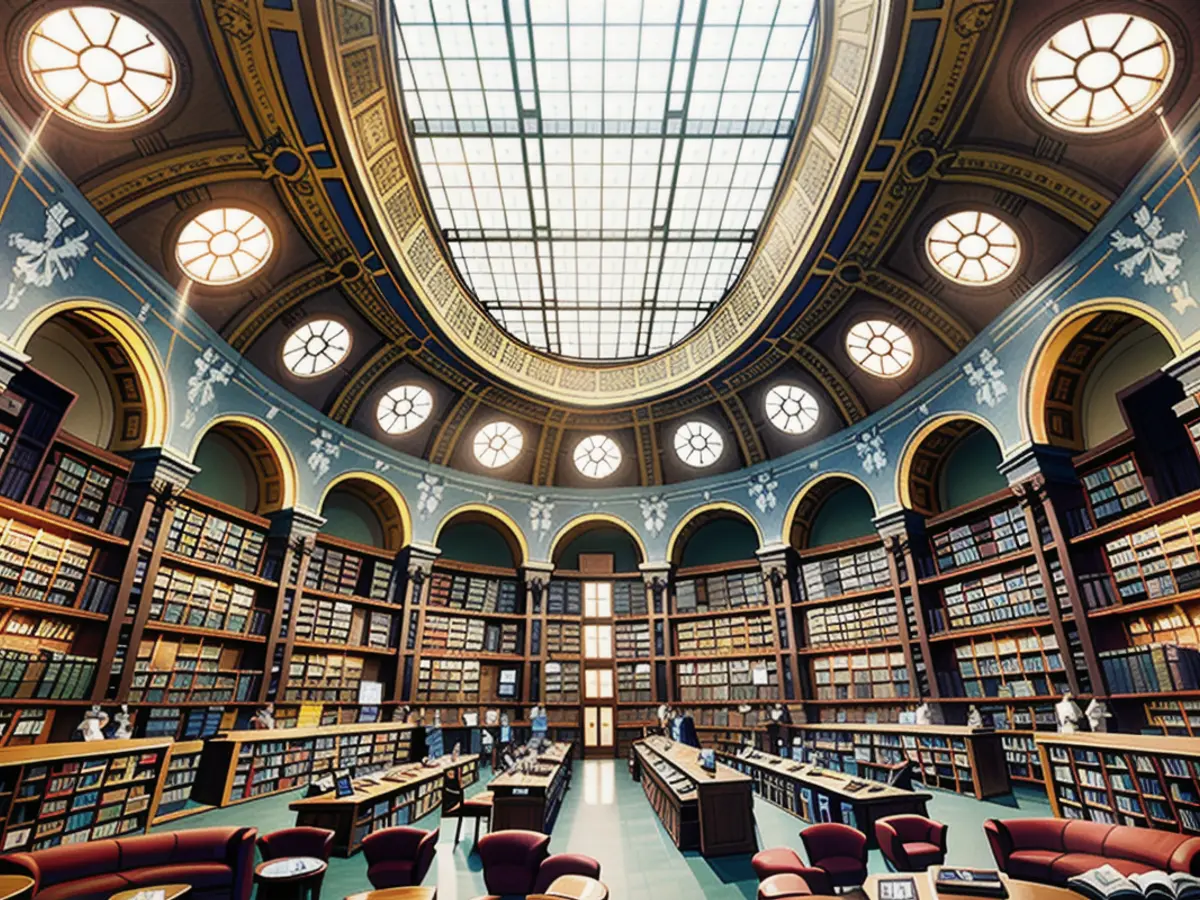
[115, 403]
[359, 510]
[597, 543]
[953, 465]
[240, 468]
[480, 538]
[715, 536]
[833, 510]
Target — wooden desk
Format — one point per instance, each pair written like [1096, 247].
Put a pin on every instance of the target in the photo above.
[413, 792]
[244, 765]
[531, 802]
[808, 794]
[1017, 890]
[710, 810]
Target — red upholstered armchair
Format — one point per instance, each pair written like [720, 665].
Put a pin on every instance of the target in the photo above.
[299, 841]
[911, 843]
[561, 864]
[399, 857]
[218, 863]
[838, 849]
[786, 861]
[511, 860]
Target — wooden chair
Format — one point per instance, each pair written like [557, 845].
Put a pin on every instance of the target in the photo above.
[456, 804]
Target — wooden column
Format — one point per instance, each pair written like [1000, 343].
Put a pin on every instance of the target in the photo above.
[157, 479]
[898, 530]
[535, 579]
[417, 563]
[292, 532]
[656, 576]
[778, 565]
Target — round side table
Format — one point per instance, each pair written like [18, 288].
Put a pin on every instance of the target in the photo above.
[154, 892]
[288, 878]
[16, 887]
[577, 887]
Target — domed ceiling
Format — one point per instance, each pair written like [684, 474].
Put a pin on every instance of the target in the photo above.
[600, 243]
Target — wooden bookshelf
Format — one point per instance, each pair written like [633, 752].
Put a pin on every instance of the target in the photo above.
[1125, 779]
[68, 793]
[531, 801]
[712, 811]
[243, 765]
[956, 758]
[402, 795]
[183, 765]
[815, 794]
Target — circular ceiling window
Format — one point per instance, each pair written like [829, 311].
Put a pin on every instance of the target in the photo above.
[316, 347]
[698, 444]
[98, 67]
[223, 245]
[498, 443]
[597, 456]
[403, 408]
[880, 347]
[973, 247]
[791, 408]
[1101, 71]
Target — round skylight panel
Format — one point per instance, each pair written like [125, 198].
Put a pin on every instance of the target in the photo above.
[404, 408]
[498, 443]
[791, 408]
[224, 245]
[316, 347]
[597, 456]
[698, 444]
[882, 348]
[973, 248]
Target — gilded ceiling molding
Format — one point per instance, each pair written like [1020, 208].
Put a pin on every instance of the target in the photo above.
[118, 194]
[238, 35]
[963, 54]
[547, 452]
[359, 61]
[452, 426]
[1081, 204]
[747, 435]
[649, 463]
[848, 401]
[368, 372]
[904, 295]
[286, 295]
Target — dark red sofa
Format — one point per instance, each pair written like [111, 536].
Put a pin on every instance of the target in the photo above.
[1052, 850]
[217, 862]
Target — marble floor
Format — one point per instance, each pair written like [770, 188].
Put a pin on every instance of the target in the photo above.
[606, 815]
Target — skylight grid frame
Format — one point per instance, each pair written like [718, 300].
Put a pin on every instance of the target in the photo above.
[522, 170]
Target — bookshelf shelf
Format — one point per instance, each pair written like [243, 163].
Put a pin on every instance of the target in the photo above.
[214, 569]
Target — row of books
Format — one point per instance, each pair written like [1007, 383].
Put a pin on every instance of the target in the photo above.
[881, 675]
[1151, 668]
[829, 577]
[716, 593]
[631, 640]
[185, 724]
[864, 621]
[473, 593]
[560, 682]
[212, 538]
[38, 566]
[634, 683]
[473, 635]
[47, 675]
[724, 634]
[1115, 490]
[997, 597]
[448, 679]
[728, 679]
[201, 601]
[82, 491]
[1157, 561]
[327, 677]
[564, 638]
[339, 622]
[986, 538]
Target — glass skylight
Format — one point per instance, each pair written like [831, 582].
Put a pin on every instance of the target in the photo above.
[403, 408]
[600, 169]
[698, 444]
[882, 348]
[316, 347]
[597, 456]
[791, 408]
[498, 443]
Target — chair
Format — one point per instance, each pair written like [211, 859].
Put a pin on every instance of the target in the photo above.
[786, 861]
[299, 841]
[841, 851]
[911, 843]
[785, 885]
[560, 864]
[399, 857]
[456, 804]
[512, 859]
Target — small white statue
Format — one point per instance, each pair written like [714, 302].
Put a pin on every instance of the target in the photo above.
[437, 718]
[1097, 713]
[664, 716]
[1068, 713]
[264, 719]
[457, 750]
[929, 714]
[124, 723]
[93, 724]
[776, 712]
[974, 719]
[491, 717]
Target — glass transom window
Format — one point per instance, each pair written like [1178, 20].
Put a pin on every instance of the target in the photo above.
[698, 444]
[881, 348]
[791, 408]
[498, 443]
[597, 456]
[403, 408]
[600, 170]
[98, 67]
[316, 347]
[1100, 72]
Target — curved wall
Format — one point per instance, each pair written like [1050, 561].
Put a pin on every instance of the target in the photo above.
[991, 381]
